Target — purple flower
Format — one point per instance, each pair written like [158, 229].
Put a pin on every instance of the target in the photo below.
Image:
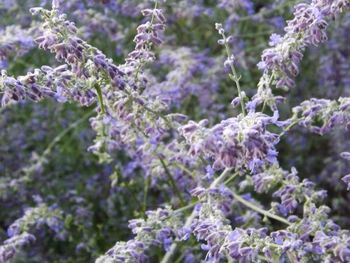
[275, 39]
[308, 27]
[236, 142]
[345, 155]
[346, 179]
[14, 245]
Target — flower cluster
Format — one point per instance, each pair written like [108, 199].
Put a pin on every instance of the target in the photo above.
[322, 115]
[242, 143]
[156, 230]
[57, 83]
[306, 28]
[148, 35]
[14, 244]
[281, 62]
[36, 217]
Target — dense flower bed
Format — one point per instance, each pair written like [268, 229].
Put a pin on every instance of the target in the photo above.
[174, 131]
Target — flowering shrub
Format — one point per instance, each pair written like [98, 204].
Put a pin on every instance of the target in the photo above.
[174, 131]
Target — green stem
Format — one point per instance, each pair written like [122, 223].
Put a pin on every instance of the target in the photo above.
[289, 127]
[100, 98]
[264, 107]
[235, 76]
[258, 209]
[182, 209]
[229, 180]
[59, 137]
[172, 182]
[183, 168]
[180, 259]
[56, 140]
[221, 178]
[155, 7]
[145, 194]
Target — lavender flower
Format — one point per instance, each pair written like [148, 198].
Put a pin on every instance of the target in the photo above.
[148, 35]
[14, 245]
[307, 27]
[281, 62]
[156, 230]
[346, 180]
[241, 142]
[43, 83]
[330, 113]
[36, 218]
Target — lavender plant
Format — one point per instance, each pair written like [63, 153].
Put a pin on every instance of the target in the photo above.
[181, 148]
